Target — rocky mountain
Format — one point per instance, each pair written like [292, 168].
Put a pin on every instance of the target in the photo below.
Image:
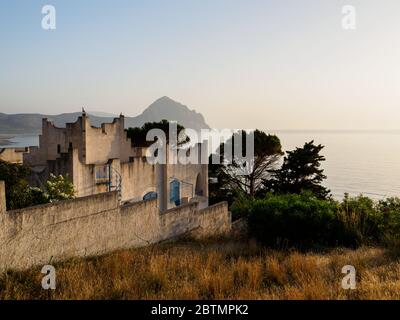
[166, 108]
[163, 108]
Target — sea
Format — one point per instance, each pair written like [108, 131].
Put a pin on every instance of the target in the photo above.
[357, 163]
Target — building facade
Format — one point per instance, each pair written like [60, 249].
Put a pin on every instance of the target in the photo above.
[13, 155]
[104, 159]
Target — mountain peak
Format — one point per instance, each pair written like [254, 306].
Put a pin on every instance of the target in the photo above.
[171, 110]
[165, 102]
[165, 99]
[163, 108]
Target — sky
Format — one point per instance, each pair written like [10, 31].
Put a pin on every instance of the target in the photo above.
[270, 64]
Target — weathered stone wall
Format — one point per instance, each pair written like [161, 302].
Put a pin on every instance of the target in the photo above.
[13, 155]
[193, 180]
[179, 220]
[212, 220]
[55, 141]
[95, 225]
[138, 178]
[77, 149]
[108, 142]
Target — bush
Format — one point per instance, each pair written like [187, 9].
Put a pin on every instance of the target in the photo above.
[20, 195]
[389, 221]
[305, 221]
[300, 220]
[241, 206]
[15, 177]
[59, 188]
[37, 196]
[359, 220]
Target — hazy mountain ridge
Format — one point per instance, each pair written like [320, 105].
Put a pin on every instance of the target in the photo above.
[163, 108]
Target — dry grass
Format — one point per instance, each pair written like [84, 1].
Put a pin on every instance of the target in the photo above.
[213, 269]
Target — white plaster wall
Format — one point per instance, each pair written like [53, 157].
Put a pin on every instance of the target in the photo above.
[13, 155]
[95, 225]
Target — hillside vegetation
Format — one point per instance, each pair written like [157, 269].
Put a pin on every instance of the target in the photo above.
[304, 221]
[214, 269]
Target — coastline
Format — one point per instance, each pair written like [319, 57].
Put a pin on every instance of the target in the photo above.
[5, 140]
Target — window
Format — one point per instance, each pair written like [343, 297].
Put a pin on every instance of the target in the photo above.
[198, 188]
[175, 195]
[150, 196]
[102, 174]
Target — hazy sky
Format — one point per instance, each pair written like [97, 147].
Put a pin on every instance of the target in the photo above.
[278, 64]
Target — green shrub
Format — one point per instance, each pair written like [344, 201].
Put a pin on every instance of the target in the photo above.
[389, 222]
[241, 207]
[15, 177]
[59, 188]
[291, 219]
[20, 195]
[305, 221]
[359, 220]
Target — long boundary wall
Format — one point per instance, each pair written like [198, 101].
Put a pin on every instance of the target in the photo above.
[96, 225]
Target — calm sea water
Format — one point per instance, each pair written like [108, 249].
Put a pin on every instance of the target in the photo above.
[20, 141]
[367, 163]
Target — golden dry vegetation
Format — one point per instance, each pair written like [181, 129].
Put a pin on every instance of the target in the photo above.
[213, 269]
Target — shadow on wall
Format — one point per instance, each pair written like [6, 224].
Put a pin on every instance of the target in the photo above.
[96, 225]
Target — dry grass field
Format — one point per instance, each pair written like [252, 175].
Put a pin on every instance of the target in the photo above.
[213, 269]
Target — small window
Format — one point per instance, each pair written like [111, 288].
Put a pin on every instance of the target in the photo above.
[150, 196]
[199, 188]
[175, 195]
[102, 174]
[58, 148]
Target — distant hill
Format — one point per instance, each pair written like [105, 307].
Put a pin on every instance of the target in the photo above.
[163, 108]
[166, 108]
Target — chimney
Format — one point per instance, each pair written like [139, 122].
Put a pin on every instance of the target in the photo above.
[122, 122]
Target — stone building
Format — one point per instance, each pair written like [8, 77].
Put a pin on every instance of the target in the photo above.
[104, 159]
[13, 155]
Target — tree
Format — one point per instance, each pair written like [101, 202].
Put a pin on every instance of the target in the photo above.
[15, 178]
[20, 195]
[229, 181]
[138, 135]
[300, 172]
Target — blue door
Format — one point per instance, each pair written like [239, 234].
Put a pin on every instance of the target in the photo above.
[175, 193]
